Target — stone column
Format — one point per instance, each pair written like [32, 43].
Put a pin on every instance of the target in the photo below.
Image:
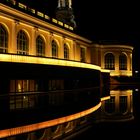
[13, 38]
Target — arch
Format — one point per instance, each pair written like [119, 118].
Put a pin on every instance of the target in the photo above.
[22, 43]
[40, 46]
[122, 61]
[109, 61]
[54, 48]
[3, 39]
[66, 51]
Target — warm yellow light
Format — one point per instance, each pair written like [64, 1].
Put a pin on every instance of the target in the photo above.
[121, 73]
[45, 61]
[40, 14]
[105, 98]
[118, 92]
[22, 6]
[42, 125]
[54, 20]
[6, 18]
[60, 23]
[105, 70]
[36, 21]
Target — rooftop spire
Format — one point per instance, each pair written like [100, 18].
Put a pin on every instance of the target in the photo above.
[64, 3]
[64, 12]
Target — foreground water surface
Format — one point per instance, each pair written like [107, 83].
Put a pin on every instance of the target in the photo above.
[120, 116]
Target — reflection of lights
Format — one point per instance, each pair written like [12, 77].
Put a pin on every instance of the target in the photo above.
[46, 124]
[120, 92]
[105, 98]
[136, 89]
[121, 73]
[136, 71]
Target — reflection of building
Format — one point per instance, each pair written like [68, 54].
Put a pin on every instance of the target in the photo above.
[47, 68]
[119, 107]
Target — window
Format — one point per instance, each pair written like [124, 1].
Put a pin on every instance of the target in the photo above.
[22, 43]
[3, 40]
[122, 62]
[21, 96]
[40, 46]
[109, 61]
[83, 54]
[66, 52]
[54, 49]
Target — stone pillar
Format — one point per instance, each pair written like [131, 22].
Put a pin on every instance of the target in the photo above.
[32, 45]
[13, 37]
[48, 45]
[73, 50]
[61, 48]
[116, 61]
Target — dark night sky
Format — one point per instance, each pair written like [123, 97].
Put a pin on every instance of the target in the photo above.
[102, 21]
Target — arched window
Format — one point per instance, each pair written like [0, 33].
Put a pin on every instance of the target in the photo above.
[109, 61]
[54, 49]
[3, 39]
[122, 62]
[40, 46]
[22, 43]
[66, 51]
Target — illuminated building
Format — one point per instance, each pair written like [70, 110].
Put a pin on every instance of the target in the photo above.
[116, 58]
[48, 69]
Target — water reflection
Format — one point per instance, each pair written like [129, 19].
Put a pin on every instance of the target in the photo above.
[118, 116]
[119, 107]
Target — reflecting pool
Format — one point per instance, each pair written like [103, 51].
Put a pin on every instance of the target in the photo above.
[119, 116]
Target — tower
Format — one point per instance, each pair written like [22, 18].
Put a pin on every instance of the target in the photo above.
[64, 12]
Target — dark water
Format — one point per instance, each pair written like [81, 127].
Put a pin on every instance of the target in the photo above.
[123, 118]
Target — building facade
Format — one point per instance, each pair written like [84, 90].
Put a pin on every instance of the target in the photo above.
[48, 69]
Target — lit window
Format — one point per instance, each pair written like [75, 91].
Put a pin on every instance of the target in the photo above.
[109, 61]
[122, 62]
[3, 40]
[21, 94]
[40, 46]
[22, 43]
[66, 52]
[54, 49]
